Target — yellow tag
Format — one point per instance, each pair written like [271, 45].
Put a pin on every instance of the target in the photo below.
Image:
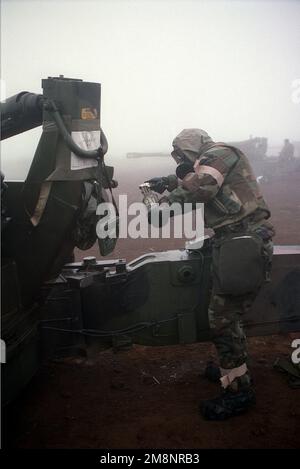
[88, 113]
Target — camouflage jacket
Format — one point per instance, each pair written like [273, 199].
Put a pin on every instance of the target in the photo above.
[224, 181]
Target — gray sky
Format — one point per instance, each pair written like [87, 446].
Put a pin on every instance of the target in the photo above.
[224, 66]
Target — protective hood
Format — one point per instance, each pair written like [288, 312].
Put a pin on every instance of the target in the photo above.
[189, 144]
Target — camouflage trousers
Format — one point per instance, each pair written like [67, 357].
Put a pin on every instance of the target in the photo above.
[226, 312]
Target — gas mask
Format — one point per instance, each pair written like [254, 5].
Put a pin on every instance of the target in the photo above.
[184, 165]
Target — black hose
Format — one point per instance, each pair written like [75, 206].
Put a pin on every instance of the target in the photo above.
[21, 112]
[97, 154]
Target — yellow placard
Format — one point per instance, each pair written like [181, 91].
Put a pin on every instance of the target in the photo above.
[88, 113]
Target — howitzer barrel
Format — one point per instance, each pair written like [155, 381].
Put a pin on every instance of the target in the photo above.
[21, 112]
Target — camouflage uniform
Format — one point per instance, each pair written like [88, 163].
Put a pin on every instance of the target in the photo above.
[221, 178]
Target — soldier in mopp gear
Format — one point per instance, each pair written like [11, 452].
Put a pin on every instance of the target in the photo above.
[287, 152]
[221, 177]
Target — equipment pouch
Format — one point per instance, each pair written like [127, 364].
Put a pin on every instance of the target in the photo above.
[238, 264]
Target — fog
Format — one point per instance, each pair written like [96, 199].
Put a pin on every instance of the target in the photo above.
[226, 66]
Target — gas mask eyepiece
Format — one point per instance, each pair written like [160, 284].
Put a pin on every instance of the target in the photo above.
[178, 156]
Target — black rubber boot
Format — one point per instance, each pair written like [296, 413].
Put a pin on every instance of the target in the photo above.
[212, 372]
[229, 404]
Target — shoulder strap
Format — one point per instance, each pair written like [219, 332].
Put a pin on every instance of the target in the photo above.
[109, 186]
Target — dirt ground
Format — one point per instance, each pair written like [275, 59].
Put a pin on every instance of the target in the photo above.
[148, 397]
